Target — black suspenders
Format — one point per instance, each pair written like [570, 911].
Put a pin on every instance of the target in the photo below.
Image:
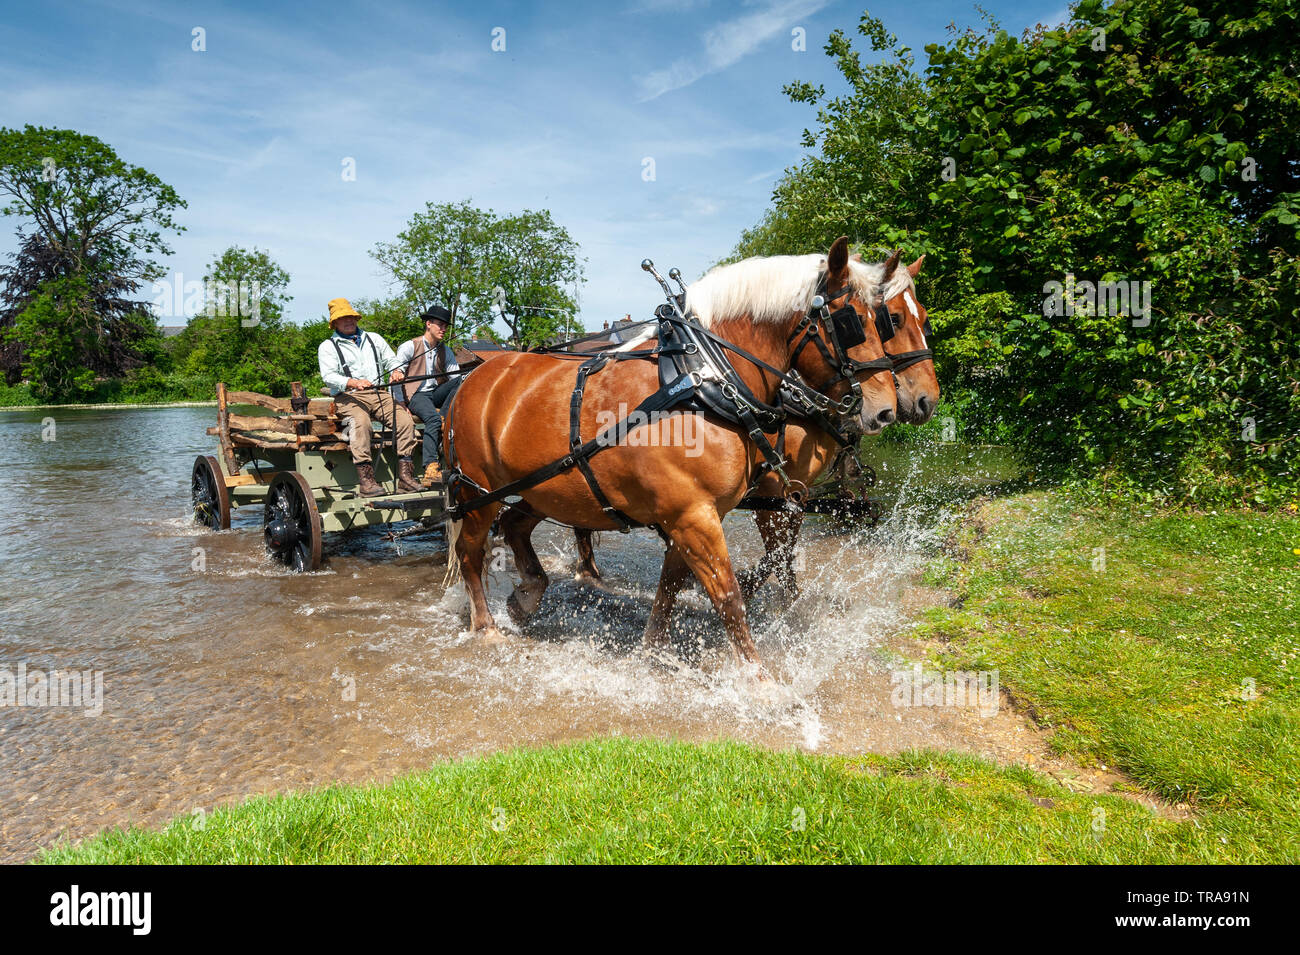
[347, 370]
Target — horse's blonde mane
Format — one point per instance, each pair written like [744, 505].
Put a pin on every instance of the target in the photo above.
[772, 288]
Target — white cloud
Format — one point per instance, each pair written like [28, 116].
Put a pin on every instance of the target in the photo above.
[727, 43]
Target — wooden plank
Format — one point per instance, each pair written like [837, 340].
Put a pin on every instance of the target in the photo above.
[223, 426]
[262, 401]
[285, 425]
[298, 400]
[242, 422]
[244, 479]
[248, 441]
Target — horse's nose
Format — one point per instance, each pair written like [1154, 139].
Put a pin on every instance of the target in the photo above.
[924, 405]
[885, 416]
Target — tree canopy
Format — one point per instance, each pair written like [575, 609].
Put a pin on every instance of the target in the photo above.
[1145, 141]
[471, 260]
[89, 224]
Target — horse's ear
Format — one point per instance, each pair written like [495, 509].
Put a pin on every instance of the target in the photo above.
[915, 268]
[838, 257]
[891, 264]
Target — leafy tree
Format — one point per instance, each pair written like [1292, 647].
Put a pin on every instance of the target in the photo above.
[241, 337]
[457, 256]
[440, 258]
[85, 200]
[62, 323]
[535, 264]
[90, 224]
[1145, 140]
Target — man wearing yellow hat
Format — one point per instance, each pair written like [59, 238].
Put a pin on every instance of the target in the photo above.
[353, 363]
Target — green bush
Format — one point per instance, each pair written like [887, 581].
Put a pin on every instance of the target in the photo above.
[1146, 141]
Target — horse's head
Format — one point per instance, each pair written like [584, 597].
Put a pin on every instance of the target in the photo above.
[905, 327]
[763, 305]
[848, 344]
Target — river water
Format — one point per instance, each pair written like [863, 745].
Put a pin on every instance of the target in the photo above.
[224, 675]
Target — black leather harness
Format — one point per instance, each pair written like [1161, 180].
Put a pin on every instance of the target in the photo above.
[695, 375]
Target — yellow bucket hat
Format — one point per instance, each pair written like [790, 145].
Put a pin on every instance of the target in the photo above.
[341, 308]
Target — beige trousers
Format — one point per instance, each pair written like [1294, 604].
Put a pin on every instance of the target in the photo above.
[361, 407]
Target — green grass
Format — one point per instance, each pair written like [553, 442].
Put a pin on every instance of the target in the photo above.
[1175, 663]
[1142, 666]
[623, 800]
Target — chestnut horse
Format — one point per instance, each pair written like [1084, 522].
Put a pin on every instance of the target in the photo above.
[809, 449]
[510, 418]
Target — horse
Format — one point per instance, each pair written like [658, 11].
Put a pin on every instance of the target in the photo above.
[810, 449]
[508, 421]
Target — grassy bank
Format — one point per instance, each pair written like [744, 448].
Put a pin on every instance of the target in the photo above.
[646, 801]
[1162, 645]
[1142, 664]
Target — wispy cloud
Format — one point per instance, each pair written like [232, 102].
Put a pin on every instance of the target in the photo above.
[252, 132]
[727, 43]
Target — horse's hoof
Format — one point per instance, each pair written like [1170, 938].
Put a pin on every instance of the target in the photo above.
[521, 610]
[766, 691]
[591, 582]
[491, 637]
[662, 658]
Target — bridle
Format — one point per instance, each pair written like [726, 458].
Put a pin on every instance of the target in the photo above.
[842, 328]
[886, 326]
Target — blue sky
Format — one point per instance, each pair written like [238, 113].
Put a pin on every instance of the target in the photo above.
[253, 131]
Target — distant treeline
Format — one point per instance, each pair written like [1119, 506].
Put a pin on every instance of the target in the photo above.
[80, 303]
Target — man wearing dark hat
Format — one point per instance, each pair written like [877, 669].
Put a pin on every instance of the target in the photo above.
[418, 358]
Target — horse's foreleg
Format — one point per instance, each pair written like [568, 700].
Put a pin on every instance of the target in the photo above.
[674, 574]
[471, 547]
[778, 530]
[703, 548]
[785, 534]
[517, 523]
[587, 573]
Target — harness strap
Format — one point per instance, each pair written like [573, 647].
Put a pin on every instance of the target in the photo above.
[624, 522]
[610, 437]
[909, 358]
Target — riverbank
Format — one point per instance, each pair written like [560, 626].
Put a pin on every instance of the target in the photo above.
[1153, 650]
[125, 405]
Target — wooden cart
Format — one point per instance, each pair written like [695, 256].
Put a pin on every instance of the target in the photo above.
[295, 464]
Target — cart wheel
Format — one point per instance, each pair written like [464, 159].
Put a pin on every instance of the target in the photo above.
[291, 523]
[208, 494]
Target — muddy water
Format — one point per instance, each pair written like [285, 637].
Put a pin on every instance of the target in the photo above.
[225, 676]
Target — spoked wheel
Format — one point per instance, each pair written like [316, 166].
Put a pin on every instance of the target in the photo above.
[208, 494]
[291, 523]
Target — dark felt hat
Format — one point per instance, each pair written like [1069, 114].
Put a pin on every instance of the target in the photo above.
[436, 313]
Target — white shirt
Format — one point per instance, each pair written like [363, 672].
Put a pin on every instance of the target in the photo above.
[406, 354]
[361, 361]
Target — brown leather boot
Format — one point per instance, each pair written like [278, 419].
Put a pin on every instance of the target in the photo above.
[369, 487]
[406, 475]
[432, 474]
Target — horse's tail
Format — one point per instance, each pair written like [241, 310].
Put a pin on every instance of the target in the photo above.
[453, 562]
